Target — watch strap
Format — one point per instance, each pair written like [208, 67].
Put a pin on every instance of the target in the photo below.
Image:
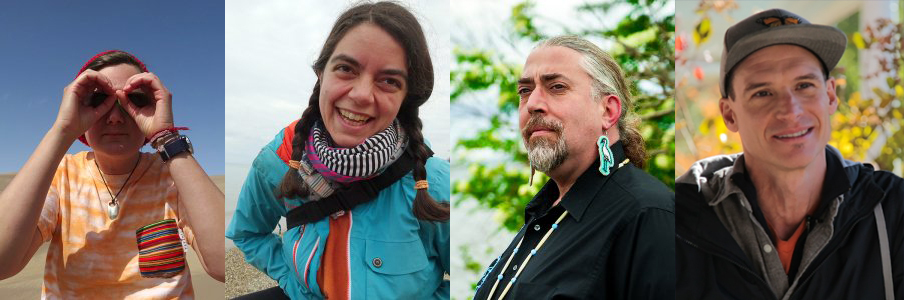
[174, 147]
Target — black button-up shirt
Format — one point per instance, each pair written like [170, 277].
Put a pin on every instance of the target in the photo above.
[617, 241]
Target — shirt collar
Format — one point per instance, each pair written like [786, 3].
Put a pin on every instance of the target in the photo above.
[581, 194]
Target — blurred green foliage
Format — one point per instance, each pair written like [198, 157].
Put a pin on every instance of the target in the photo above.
[643, 44]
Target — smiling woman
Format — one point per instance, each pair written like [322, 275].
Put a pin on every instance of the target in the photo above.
[364, 84]
[366, 203]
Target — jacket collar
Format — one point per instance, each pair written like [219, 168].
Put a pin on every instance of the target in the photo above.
[713, 176]
[835, 183]
[581, 194]
[705, 185]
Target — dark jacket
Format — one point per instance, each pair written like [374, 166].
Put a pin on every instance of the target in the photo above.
[712, 265]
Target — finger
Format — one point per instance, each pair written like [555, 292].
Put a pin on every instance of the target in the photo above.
[94, 79]
[135, 82]
[126, 103]
[105, 107]
[148, 82]
[88, 83]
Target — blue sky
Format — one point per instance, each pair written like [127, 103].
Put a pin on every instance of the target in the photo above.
[44, 43]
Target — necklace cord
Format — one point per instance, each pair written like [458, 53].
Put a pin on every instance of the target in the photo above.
[533, 252]
[113, 201]
[526, 259]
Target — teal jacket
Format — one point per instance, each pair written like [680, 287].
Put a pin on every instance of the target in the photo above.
[413, 254]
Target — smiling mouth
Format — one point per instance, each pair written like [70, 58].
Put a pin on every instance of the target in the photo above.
[795, 134]
[353, 118]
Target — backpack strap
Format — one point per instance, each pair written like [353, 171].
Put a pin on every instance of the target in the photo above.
[352, 195]
[884, 249]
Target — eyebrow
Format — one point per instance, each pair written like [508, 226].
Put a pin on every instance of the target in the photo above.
[754, 85]
[349, 60]
[543, 78]
[811, 76]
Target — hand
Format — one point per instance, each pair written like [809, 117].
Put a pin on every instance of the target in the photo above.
[153, 116]
[77, 113]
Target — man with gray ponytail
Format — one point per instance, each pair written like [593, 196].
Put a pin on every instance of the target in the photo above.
[600, 227]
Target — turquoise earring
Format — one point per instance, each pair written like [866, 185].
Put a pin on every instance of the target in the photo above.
[606, 159]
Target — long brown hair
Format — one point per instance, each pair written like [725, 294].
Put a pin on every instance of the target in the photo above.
[405, 29]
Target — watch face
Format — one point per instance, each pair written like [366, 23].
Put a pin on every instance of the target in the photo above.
[176, 146]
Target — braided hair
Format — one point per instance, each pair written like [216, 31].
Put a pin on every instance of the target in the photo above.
[405, 29]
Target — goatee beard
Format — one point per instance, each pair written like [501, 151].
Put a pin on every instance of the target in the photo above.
[545, 154]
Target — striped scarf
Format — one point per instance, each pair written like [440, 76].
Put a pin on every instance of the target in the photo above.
[345, 165]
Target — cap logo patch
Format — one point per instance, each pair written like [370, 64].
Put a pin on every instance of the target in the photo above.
[778, 21]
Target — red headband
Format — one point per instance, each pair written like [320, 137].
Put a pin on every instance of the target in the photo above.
[95, 57]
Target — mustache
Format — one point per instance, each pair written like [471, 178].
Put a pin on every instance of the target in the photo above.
[536, 122]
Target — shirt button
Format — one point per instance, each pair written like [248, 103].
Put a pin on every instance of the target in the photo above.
[515, 268]
[767, 248]
[537, 227]
[378, 262]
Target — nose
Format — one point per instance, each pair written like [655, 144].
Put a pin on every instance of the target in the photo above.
[362, 91]
[789, 106]
[536, 102]
[116, 115]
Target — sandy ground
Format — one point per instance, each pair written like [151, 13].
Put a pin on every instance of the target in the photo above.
[241, 277]
[27, 284]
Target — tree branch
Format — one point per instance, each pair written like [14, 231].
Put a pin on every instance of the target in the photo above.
[658, 114]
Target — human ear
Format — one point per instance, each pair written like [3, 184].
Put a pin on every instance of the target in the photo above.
[728, 114]
[611, 110]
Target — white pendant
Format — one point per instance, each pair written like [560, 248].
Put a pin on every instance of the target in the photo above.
[113, 210]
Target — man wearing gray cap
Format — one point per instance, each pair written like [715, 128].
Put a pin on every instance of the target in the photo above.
[788, 218]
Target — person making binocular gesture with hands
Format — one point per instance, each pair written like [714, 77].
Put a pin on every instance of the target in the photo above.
[118, 220]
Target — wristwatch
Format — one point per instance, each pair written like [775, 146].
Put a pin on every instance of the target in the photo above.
[174, 147]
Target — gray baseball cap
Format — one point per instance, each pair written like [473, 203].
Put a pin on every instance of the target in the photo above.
[774, 27]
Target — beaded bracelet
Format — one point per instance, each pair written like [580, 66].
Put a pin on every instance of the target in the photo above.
[165, 139]
[164, 132]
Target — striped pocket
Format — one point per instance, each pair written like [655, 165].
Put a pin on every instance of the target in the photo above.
[160, 252]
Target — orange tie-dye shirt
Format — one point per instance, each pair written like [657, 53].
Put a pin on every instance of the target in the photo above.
[93, 257]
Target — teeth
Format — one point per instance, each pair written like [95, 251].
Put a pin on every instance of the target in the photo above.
[793, 135]
[353, 116]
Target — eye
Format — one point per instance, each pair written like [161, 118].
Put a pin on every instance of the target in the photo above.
[344, 71]
[557, 87]
[139, 99]
[390, 84]
[762, 94]
[343, 68]
[394, 82]
[524, 91]
[97, 99]
[805, 85]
